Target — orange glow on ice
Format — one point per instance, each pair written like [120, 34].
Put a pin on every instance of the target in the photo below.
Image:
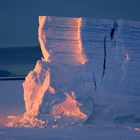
[26, 120]
[2, 122]
[35, 87]
[71, 44]
[70, 107]
[83, 56]
[42, 38]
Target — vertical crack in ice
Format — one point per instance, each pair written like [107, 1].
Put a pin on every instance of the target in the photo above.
[113, 30]
[104, 63]
[112, 33]
[95, 85]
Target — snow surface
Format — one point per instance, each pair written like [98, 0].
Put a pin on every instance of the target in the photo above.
[13, 104]
[84, 72]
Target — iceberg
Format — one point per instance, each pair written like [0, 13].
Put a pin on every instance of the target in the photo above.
[83, 75]
[57, 84]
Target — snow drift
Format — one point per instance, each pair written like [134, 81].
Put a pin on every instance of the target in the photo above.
[86, 64]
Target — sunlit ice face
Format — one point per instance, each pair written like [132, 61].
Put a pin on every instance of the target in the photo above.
[39, 66]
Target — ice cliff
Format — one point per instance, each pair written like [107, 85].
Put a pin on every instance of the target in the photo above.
[84, 72]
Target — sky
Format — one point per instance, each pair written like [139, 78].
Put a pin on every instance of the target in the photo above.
[19, 18]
